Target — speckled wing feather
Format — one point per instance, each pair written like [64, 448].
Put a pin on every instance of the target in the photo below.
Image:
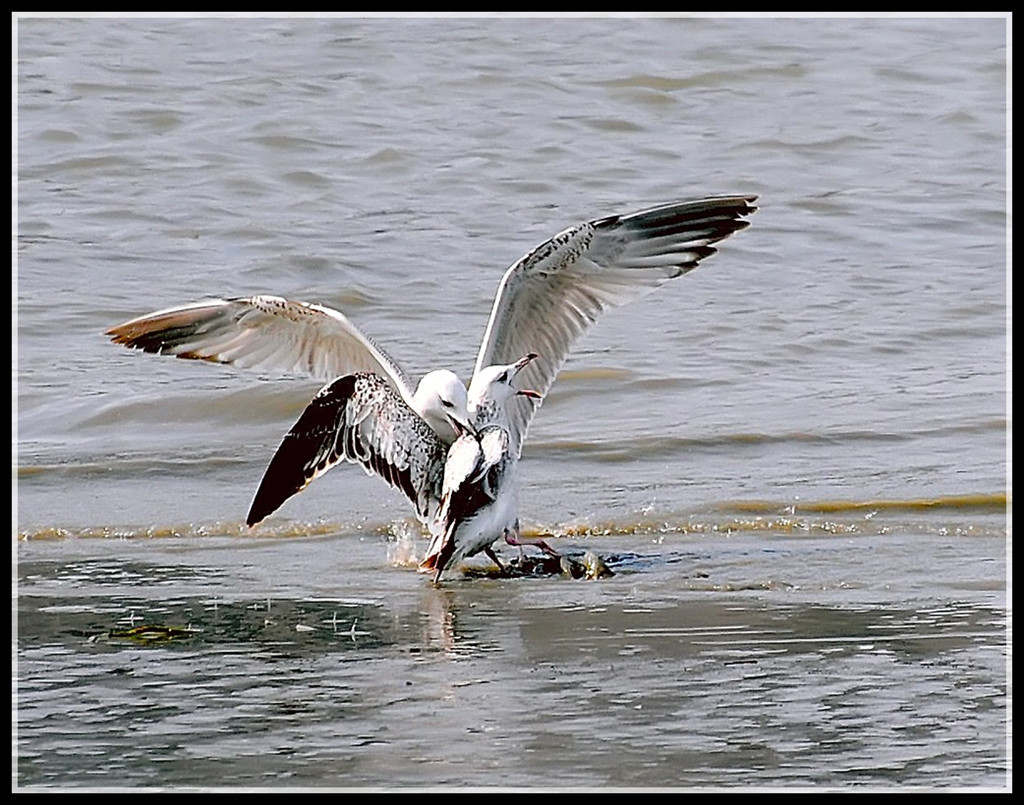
[265, 332]
[358, 418]
[551, 296]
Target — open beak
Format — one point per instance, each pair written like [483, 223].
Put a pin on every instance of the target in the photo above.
[462, 427]
[518, 366]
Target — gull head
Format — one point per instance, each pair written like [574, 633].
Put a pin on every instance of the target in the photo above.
[441, 401]
[494, 384]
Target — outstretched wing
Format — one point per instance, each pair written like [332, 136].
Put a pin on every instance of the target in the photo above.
[266, 332]
[357, 418]
[551, 296]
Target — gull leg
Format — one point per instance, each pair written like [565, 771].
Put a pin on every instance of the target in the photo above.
[494, 558]
[514, 538]
[511, 538]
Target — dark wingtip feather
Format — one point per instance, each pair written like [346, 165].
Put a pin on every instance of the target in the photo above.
[303, 448]
[285, 476]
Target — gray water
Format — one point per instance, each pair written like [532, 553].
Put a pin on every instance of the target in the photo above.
[795, 459]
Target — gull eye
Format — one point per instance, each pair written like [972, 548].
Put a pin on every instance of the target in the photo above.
[447, 403]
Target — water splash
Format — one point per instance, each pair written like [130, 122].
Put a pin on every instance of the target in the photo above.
[964, 515]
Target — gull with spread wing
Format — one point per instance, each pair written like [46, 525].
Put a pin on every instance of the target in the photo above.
[369, 413]
[480, 489]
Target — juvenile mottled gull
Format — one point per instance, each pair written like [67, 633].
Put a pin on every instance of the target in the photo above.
[369, 412]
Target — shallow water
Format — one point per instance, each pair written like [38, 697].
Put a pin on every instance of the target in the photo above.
[743, 660]
[794, 458]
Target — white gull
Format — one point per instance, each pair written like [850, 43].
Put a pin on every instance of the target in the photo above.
[480, 489]
[369, 413]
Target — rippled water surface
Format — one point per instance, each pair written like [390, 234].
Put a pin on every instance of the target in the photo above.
[794, 459]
